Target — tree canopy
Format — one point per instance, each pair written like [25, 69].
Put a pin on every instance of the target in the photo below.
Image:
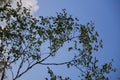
[22, 35]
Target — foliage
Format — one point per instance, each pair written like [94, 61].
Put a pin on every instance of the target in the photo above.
[22, 36]
[54, 77]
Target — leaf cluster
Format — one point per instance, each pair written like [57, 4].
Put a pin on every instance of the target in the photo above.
[22, 36]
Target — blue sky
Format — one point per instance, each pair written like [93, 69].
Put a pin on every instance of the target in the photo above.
[106, 16]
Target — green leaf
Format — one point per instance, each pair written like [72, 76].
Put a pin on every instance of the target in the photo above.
[70, 48]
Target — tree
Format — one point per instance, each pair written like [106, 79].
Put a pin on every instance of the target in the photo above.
[22, 35]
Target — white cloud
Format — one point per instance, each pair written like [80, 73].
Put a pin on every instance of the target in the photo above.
[30, 4]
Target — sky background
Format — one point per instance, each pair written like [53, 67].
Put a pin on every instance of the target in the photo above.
[106, 16]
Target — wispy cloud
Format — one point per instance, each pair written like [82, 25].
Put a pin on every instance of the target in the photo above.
[30, 4]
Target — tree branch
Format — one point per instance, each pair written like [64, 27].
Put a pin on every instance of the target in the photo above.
[56, 63]
[3, 73]
[4, 67]
[20, 66]
[29, 67]
[40, 62]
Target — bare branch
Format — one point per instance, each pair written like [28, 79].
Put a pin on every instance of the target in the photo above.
[12, 73]
[29, 67]
[20, 66]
